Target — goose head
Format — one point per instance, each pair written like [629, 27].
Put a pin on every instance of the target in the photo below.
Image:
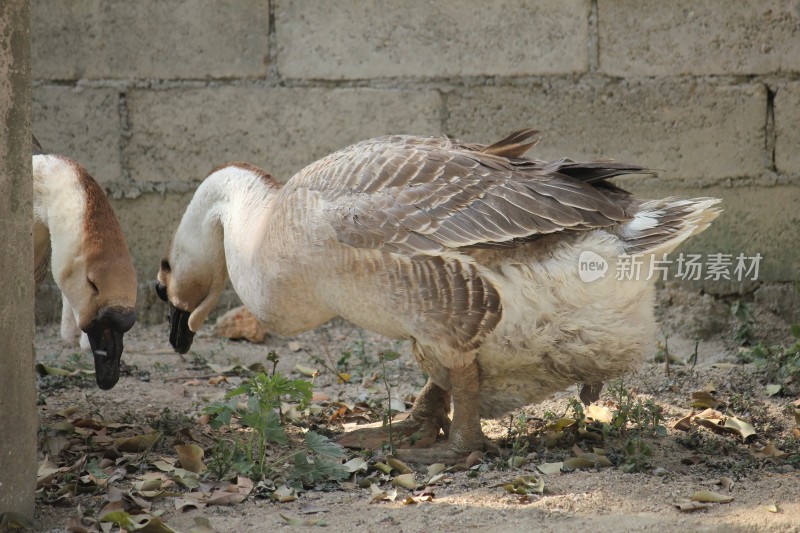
[192, 273]
[180, 336]
[90, 260]
[105, 313]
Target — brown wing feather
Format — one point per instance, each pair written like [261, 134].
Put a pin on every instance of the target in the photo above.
[427, 195]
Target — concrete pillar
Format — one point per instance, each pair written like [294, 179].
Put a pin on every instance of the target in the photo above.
[17, 385]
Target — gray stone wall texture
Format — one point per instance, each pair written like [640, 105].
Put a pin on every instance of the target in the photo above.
[150, 95]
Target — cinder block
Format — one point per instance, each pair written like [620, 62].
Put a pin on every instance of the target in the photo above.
[787, 128]
[657, 38]
[346, 39]
[179, 135]
[168, 39]
[688, 130]
[148, 223]
[83, 124]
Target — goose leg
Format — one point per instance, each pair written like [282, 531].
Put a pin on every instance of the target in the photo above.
[420, 429]
[466, 435]
[590, 392]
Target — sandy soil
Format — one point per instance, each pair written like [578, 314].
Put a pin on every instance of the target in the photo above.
[160, 385]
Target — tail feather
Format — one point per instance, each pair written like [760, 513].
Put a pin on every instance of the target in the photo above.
[596, 171]
[659, 226]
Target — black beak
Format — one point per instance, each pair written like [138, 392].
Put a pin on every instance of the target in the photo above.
[161, 290]
[180, 336]
[105, 337]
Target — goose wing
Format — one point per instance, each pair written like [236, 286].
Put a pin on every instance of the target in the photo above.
[427, 195]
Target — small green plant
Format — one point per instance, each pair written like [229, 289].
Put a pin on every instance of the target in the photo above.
[388, 355]
[780, 364]
[634, 421]
[662, 353]
[518, 438]
[168, 422]
[261, 413]
[576, 406]
[223, 457]
[318, 459]
[741, 311]
[198, 360]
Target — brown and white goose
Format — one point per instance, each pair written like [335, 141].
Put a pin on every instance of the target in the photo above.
[471, 252]
[76, 231]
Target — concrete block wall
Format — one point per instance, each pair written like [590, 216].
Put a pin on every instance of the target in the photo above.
[151, 95]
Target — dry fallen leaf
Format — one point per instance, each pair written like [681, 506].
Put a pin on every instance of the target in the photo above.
[383, 467]
[187, 504]
[685, 423]
[726, 483]
[525, 485]
[306, 371]
[551, 438]
[436, 468]
[188, 479]
[599, 413]
[136, 444]
[407, 481]
[517, 461]
[222, 497]
[704, 400]
[399, 465]
[419, 496]
[298, 522]
[688, 505]
[587, 434]
[284, 494]
[550, 468]
[706, 496]
[190, 457]
[356, 464]
[767, 452]
[69, 411]
[379, 495]
[744, 429]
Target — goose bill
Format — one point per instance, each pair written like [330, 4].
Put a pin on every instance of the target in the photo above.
[106, 343]
[180, 336]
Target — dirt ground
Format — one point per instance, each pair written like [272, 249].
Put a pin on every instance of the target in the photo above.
[158, 386]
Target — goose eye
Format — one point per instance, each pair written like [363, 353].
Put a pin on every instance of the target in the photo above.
[165, 265]
[93, 286]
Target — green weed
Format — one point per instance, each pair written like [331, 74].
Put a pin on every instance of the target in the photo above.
[779, 363]
[254, 456]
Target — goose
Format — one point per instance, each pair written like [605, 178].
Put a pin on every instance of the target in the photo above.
[469, 251]
[76, 232]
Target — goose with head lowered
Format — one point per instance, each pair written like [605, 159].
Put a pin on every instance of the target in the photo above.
[77, 233]
[469, 251]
